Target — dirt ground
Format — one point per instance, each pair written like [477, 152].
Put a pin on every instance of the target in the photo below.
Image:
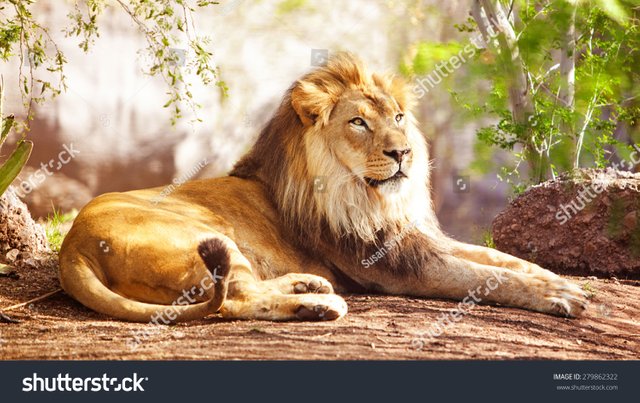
[376, 328]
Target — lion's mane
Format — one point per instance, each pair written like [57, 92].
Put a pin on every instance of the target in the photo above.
[291, 157]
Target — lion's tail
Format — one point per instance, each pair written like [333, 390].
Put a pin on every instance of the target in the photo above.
[79, 280]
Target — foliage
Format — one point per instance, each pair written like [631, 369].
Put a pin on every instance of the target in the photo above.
[565, 132]
[427, 55]
[165, 24]
[54, 228]
[591, 292]
[559, 79]
[487, 240]
[13, 165]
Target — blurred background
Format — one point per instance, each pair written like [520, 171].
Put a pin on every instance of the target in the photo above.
[113, 116]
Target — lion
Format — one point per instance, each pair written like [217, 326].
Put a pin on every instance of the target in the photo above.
[333, 197]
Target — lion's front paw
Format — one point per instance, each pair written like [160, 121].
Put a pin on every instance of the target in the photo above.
[563, 297]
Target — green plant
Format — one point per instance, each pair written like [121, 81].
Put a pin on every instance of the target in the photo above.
[563, 81]
[13, 165]
[559, 78]
[487, 239]
[588, 288]
[54, 227]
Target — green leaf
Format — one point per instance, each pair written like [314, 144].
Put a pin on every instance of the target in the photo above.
[14, 164]
[6, 124]
[614, 10]
[429, 54]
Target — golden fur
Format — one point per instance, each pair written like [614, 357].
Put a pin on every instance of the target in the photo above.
[334, 194]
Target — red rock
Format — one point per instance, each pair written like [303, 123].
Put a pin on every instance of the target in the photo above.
[602, 238]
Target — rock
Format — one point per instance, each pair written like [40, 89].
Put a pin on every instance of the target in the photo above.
[19, 234]
[12, 255]
[582, 224]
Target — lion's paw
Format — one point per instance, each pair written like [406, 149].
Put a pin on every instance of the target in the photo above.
[313, 286]
[564, 298]
[326, 307]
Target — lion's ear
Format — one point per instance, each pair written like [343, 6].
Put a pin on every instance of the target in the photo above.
[398, 88]
[311, 102]
[402, 93]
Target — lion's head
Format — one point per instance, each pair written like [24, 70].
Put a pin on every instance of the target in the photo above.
[343, 153]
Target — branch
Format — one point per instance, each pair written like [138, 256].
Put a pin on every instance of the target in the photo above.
[568, 63]
[40, 298]
[495, 19]
[587, 120]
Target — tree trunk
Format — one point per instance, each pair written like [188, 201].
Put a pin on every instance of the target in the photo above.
[568, 77]
[492, 19]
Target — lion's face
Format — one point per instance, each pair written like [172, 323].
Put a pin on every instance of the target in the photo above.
[367, 134]
[349, 154]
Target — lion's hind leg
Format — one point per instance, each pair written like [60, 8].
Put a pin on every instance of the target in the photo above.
[278, 300]
[278, 307]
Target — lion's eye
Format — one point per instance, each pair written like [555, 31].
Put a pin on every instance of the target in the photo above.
[358, 122]
[399, 117]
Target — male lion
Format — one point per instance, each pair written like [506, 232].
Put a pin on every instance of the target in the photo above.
[334, 194]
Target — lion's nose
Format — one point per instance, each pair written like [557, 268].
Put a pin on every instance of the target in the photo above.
[397, 155]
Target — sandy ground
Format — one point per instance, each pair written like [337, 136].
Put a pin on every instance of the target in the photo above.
[376, 328]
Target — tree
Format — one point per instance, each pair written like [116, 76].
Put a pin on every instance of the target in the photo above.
[568, 70]
[560, 79]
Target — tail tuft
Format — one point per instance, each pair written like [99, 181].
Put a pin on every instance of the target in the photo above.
[216, 256]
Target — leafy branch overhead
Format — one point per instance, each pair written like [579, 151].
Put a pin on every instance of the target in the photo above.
[173, 46]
